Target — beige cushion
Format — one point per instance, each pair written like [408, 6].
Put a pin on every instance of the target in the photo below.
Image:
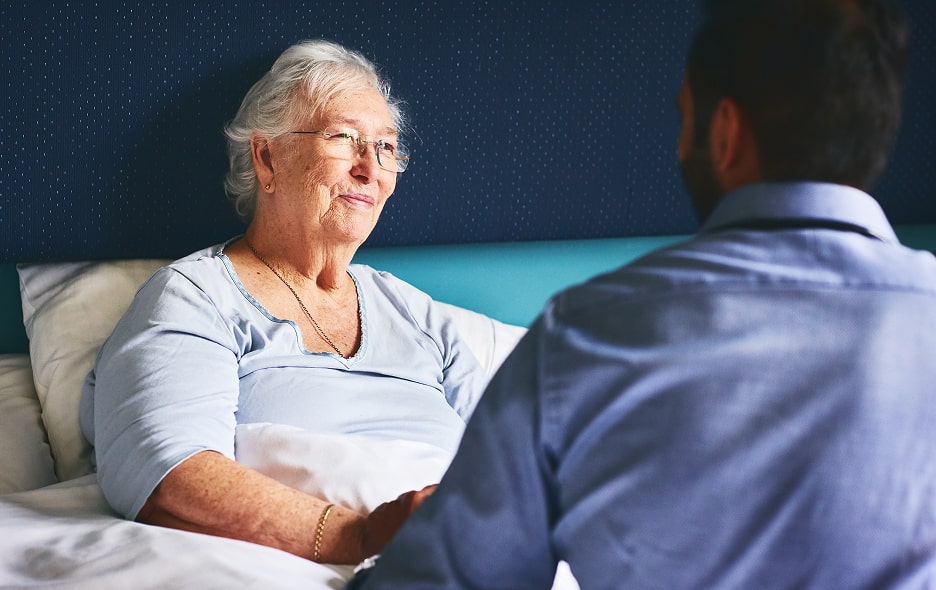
[69, 310]
[25, 456]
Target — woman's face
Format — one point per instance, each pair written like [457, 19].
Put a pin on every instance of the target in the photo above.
[339, 195]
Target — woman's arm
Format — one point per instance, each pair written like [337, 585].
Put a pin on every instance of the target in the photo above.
[209, 493]
[165, 393]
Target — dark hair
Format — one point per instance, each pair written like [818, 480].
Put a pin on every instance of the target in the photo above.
[821, 81]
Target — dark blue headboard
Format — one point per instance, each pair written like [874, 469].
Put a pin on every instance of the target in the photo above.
[534, 119]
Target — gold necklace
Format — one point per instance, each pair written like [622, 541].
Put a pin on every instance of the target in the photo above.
[305, 310]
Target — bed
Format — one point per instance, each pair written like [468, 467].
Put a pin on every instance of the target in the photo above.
[56, 529]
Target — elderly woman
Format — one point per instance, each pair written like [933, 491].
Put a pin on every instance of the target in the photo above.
[278, 326]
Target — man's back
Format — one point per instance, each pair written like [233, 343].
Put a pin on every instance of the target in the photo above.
[751, 393]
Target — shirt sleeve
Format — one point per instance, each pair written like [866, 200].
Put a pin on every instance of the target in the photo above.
[463, 378]
[488, 523]
[164, 387]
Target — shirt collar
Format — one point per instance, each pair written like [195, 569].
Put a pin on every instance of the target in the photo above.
[807, 201]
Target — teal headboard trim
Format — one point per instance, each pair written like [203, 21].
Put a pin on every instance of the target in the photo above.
[507, 281]
[920, 237]
[12, 333]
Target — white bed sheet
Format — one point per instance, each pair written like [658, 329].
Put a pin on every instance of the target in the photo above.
[66, 535]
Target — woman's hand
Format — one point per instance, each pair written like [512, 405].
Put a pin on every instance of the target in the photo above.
[386, 519]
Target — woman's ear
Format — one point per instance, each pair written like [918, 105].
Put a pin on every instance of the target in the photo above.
[262, 160]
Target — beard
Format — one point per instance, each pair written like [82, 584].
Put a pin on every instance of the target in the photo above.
[698, 174]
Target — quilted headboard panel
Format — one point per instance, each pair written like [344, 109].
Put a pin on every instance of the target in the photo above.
[533, 120]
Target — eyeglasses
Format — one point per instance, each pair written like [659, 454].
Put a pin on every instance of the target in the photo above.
[347, 143]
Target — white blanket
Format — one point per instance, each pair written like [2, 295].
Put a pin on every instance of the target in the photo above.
[66, 536]
[356, 471]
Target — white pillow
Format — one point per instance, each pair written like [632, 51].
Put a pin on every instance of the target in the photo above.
[490, 340]
[25, 457]
[69, 309]
[353, 470]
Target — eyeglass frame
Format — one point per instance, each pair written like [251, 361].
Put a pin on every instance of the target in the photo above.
[361, 144]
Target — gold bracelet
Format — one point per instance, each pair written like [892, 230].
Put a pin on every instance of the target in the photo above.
[319, 530]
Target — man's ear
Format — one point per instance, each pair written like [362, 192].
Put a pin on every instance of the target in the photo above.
[262, 159]
[726, 134]
[735, 157]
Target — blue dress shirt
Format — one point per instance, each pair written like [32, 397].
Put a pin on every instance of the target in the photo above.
[753, 408]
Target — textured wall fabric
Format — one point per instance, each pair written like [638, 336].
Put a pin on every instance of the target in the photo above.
[532, 120]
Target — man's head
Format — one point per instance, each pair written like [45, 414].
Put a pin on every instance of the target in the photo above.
[818, 85]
